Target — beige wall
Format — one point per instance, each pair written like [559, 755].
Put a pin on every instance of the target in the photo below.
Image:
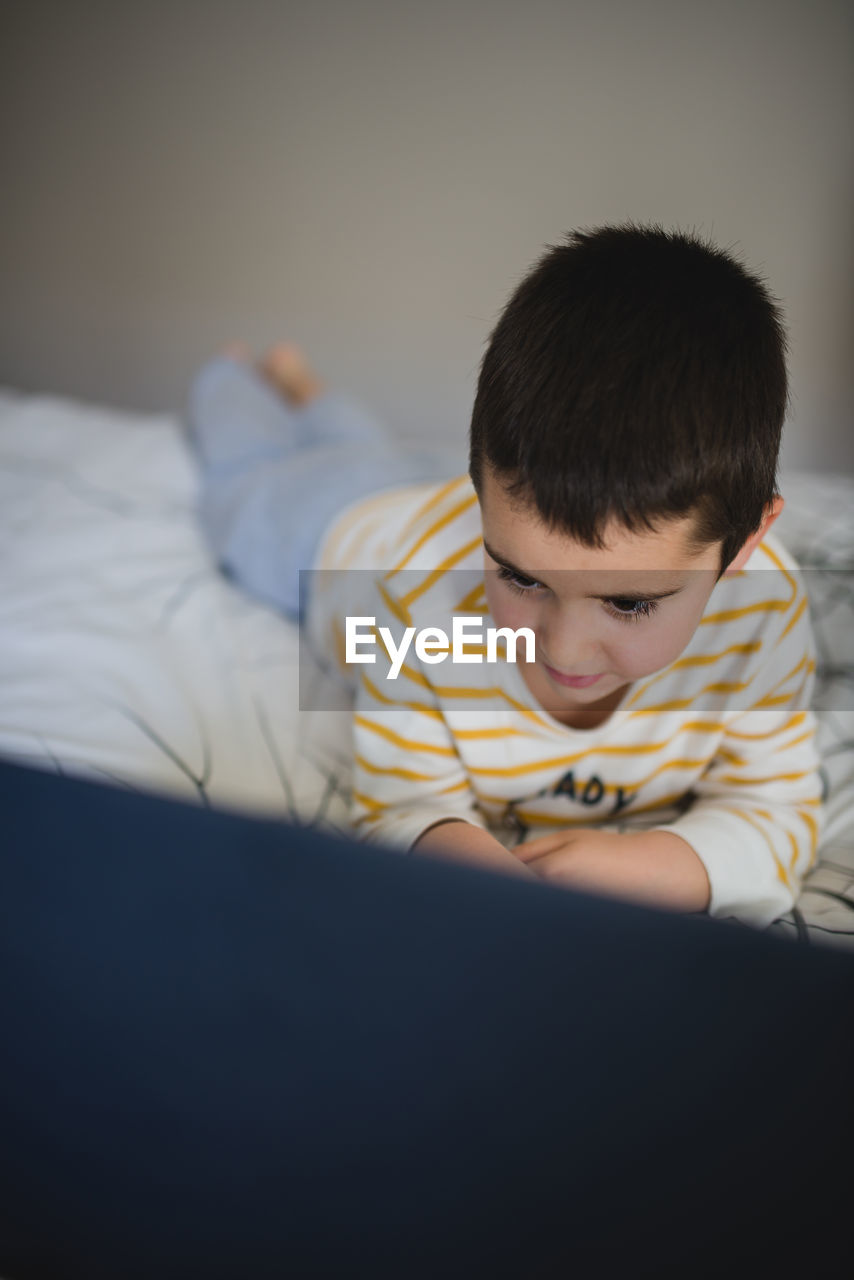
[372, 178]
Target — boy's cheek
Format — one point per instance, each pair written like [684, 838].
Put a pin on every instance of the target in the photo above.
[508, 611]
[663, 644]
[644, 659]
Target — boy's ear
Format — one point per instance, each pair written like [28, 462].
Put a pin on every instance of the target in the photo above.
[772, 511]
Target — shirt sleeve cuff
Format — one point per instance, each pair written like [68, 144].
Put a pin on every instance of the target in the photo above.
[745, 881]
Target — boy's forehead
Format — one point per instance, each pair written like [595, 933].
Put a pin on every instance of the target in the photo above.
[519, 536]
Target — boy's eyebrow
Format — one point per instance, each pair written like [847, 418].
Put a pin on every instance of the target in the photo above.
[613, 595]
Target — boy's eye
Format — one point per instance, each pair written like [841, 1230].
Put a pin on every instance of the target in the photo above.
[632, 610]
[626, 609]
[516, 582]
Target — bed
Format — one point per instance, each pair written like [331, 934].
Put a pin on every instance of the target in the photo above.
[130, 659]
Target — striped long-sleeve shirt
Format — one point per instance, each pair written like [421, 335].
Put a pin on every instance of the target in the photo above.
[718, 747]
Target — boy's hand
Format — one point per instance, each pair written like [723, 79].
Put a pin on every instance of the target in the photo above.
[653, 868]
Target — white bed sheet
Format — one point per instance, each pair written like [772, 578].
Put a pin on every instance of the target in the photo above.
[127, 657]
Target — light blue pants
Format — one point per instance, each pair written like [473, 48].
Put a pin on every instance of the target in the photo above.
[274, 477]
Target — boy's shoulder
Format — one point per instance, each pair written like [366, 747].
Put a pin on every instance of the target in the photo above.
[771, 553]
[764, 595]
[443, 525]
[394, 551]
[752, 649]
[434, 559]
[413, 526]
[752, 612]
[772, 576]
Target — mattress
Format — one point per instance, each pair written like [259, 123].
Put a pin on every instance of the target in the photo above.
[126, 655]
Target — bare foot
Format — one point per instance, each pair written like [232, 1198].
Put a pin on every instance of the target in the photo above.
[290, 373]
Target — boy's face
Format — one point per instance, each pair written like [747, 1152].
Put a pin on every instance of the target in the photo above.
[588, 649]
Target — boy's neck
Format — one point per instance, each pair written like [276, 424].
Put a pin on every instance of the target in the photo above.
[585, 717]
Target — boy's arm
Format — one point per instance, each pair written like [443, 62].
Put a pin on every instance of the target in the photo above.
[654, 868]
[410, 791]
[407, 773]
[742, 849]
[459, 841]
[757, 817]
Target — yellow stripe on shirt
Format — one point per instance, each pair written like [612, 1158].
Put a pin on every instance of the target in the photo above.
[446, 519]
[408, 744]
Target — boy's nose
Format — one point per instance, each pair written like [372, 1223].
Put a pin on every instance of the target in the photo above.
[572, 655]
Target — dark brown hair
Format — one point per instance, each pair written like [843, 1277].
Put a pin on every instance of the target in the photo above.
[635, 374]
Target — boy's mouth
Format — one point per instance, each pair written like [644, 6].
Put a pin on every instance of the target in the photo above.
[571, 682]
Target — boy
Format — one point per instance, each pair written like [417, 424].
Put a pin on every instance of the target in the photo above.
[623, 450]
